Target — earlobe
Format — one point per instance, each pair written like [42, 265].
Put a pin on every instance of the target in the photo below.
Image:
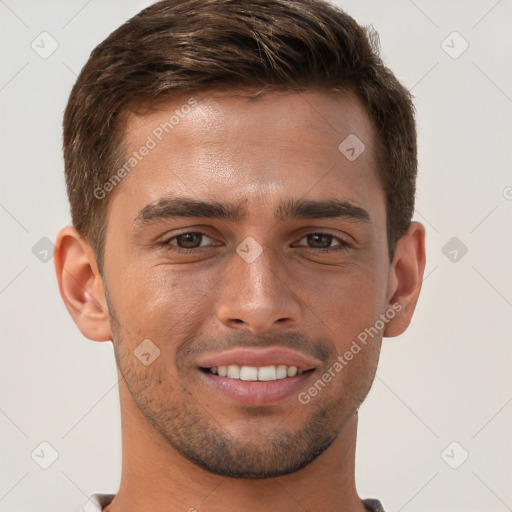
[405, 279]
[81, 285]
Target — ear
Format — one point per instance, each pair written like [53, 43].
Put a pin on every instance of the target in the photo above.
[405, 278]
[81, 285]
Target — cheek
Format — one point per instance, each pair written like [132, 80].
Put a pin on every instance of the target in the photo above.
[346, 302]
[359, 371]
[164, 304]
[179, 292]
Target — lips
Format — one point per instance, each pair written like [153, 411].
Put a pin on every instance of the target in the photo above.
[273, 356]
[256, 393]
[245, 389]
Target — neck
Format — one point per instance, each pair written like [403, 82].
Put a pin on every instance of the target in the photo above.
[156, 477]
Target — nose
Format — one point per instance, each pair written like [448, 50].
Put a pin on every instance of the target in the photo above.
[257, 295]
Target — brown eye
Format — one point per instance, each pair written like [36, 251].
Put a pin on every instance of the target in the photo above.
[323, 242]
[320, 240]
[188, 240]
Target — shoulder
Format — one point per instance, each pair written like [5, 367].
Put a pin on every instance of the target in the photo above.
[373, 505]
[97, 502]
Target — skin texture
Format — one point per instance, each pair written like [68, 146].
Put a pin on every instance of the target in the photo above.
[186, 446]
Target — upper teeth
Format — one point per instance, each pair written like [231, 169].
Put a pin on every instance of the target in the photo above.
[234, 371]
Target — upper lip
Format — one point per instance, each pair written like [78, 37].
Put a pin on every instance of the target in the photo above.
[259, 357]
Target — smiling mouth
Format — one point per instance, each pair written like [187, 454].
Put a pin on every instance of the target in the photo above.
[256, 373]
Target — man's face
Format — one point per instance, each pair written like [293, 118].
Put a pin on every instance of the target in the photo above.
[300, 281]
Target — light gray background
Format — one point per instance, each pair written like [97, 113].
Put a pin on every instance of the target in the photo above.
[446, 379]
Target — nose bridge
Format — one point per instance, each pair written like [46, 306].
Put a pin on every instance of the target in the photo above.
[254, 292]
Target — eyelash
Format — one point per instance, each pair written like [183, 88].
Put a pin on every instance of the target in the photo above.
[343, 244]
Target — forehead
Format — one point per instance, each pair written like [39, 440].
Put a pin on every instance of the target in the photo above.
[231, 145]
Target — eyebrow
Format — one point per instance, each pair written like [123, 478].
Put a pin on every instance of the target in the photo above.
[174, 207]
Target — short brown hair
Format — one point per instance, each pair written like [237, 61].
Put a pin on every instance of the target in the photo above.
[176, 46]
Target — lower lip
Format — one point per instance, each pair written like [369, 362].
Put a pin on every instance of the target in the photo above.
[257, 392]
